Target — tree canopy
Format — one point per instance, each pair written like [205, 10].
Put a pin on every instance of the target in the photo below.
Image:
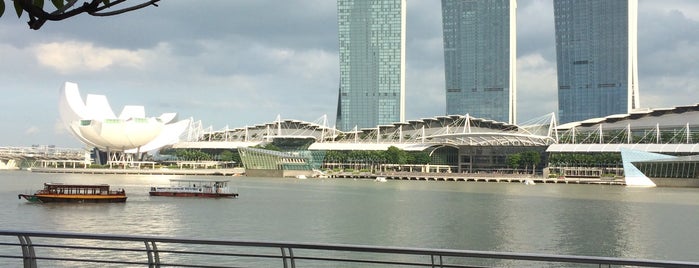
[39, 13]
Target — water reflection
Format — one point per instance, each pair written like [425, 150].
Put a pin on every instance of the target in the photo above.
[658, 223]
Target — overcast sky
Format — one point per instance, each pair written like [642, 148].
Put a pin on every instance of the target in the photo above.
[237, 63]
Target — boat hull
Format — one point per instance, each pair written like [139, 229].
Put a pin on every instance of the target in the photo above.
[194, 194]
[74, 198]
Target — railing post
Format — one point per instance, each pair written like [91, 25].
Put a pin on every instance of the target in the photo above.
[28, 254]
[290, 257]
[153, 257]
[440, 264]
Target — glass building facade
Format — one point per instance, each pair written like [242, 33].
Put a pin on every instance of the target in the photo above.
[372, 63]
[596, 53]
[681, 168]
[479, 58]
[256, 158]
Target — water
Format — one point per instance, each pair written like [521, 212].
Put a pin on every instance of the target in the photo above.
[595, 220]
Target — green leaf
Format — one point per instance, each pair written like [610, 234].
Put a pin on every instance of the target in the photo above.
[18, 9]
[57, 3]
[39, 3]
[2, 7]
[105, 2]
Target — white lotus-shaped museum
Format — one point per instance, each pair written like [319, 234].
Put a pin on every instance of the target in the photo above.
[94, 123]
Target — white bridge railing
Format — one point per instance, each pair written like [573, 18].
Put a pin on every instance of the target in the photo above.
[50, 249]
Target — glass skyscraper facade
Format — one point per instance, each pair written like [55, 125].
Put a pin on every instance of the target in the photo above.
[372, 63]
[596, 53]
[479, 58]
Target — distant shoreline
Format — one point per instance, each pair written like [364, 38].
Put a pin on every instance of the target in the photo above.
[478, 177]
[143, 171]
[405, 176]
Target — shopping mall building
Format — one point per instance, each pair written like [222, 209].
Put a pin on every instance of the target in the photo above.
[466, 144]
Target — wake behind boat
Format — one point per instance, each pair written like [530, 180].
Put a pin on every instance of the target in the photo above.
[194, 188]
[75, 193]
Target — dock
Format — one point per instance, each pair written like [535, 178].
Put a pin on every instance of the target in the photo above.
[400, 176]
[475, 177]
[145, 171]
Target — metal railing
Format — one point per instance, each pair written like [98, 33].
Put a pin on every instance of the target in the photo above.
[51, 249]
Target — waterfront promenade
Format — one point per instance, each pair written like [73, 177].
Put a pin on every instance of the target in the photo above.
[477, 177]
[403, 176]
[146, 171]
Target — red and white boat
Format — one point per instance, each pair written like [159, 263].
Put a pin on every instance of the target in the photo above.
[194, 188]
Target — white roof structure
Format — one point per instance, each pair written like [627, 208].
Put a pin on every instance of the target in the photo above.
[663, 130]
[414, 135]
[678, 116]
[94, 123]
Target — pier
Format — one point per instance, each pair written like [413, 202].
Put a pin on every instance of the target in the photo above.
[146, 171]
[477, 177]
[397, 176]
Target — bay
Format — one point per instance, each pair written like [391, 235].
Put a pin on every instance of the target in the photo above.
[594, 220]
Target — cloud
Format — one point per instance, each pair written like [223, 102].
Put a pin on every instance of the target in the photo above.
[536, 87]
[72, 57]
[32, 130]
[59, 128]
[689, 8]
[535, 28]
[240, 63]
[669, 90]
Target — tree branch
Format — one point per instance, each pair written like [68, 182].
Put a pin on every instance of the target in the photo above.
[37, 16]
[124, 10]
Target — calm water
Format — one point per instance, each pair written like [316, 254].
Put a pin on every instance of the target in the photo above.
[614, 221]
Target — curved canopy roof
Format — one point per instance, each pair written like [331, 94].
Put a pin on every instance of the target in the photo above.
[678, 116]
[94, 123]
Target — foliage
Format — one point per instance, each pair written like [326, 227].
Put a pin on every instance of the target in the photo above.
[97, 166]
[513, 160]
[39, 13]
[524, 159]
[229, 156]
[421, 158]
[393, 155]
[192, 155]
[581, 159]
[334, 156]
[531, 158]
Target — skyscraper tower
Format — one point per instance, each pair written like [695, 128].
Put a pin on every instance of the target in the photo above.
[596, 54]
[372, 63]
[480, 51]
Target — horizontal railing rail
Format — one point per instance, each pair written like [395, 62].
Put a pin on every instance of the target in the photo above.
[54, 249]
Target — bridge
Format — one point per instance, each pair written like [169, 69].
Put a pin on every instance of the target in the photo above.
[52, 249]
[15, 157]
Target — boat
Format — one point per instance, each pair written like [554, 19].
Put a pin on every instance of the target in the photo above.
[529, 182]
[301, 177]
[75, 193]
[193, 188]
[381, 179]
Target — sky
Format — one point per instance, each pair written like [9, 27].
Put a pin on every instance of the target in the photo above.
[233, 63]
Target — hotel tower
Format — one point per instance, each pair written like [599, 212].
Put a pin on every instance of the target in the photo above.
[372, 63]
[480, 51]
[596, 54]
